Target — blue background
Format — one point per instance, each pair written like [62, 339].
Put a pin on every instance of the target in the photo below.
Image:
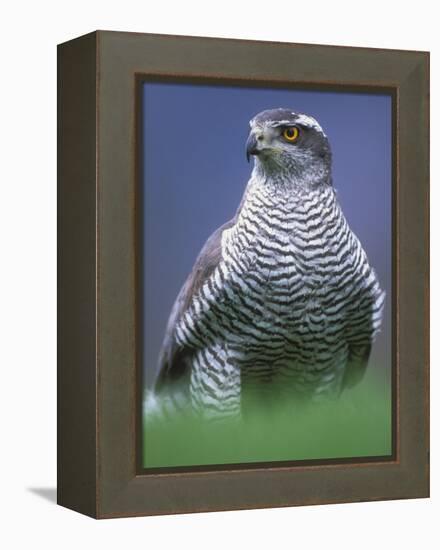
[195, 172]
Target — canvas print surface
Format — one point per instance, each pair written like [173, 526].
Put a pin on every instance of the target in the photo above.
[265, 274]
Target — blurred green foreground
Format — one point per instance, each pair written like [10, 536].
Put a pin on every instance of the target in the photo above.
[357, 425]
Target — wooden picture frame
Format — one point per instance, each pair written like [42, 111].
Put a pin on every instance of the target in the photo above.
[99, 380]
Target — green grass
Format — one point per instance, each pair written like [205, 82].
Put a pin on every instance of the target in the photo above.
[357, 425]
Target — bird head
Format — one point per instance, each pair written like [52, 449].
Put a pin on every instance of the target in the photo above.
[289, 146]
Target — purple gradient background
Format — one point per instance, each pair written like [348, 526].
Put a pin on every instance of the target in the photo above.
[195, 172]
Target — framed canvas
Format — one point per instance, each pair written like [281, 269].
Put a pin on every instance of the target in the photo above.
[243, 274]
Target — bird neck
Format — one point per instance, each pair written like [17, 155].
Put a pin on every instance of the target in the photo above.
[287, 187]
[293, 177]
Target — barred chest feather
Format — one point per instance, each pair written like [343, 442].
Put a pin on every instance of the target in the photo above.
[282, 256]
[292, 289]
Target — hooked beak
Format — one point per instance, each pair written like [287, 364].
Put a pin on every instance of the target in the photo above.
[251, 146]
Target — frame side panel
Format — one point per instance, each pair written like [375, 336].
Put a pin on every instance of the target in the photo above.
[413, 274]
[77, 274]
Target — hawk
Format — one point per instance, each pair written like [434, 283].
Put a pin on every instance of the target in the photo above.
[282, 302]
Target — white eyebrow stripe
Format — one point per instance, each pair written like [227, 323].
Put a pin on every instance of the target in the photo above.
[310, 122]
[283, 123]
[271, 124]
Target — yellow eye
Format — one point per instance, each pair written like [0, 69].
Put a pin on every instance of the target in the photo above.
[291, 133]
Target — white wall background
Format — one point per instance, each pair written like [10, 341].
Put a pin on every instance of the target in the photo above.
[29, 34]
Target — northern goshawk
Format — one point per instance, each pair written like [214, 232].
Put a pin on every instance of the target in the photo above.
[282, 303]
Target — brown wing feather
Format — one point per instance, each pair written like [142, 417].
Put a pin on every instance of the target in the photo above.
[174, 359]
